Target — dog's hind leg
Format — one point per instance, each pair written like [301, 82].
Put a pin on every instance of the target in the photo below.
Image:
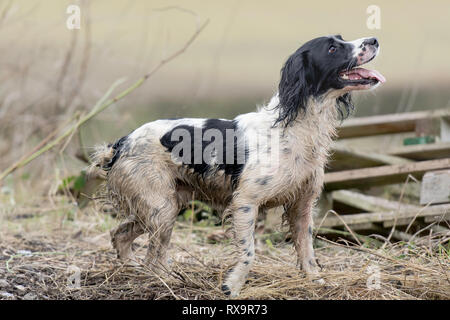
[244, 219]
[161, 221]
[122, 238]
[299, 215]
[144, 190]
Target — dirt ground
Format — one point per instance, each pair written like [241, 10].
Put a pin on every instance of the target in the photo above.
[44, 249]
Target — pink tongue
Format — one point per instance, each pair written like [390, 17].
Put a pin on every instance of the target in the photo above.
[365, 73]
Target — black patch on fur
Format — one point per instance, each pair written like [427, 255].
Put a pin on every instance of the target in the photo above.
[318, 264]
[345, 103]
[118, 148]
[263, 181]
[310, 72]
[246, 209]
[155, 212]
[246, 262]
[226, 290]
[233, 169]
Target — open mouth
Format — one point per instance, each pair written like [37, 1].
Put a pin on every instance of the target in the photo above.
[361, 77]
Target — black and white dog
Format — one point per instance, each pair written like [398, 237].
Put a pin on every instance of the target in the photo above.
[260, 160]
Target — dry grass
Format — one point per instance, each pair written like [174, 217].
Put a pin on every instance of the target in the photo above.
[42, 239]
[39, 245]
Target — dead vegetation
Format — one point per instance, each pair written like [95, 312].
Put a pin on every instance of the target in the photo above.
[41, 250]
[46, 240]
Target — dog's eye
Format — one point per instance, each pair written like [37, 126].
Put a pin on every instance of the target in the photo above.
[332, 49]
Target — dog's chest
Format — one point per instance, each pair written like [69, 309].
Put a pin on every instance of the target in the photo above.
[306, 145]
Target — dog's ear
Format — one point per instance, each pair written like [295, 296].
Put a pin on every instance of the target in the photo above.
[293, 90]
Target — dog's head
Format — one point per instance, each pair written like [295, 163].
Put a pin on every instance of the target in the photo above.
[324, 66]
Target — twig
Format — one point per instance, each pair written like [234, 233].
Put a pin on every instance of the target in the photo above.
[391, 233]
[17, 164]
[102, 106]
[342, 220]
[47, 146]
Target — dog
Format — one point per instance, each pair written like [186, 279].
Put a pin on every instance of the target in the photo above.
[260, 160]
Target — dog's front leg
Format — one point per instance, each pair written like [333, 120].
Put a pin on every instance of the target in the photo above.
[244, 219]
[300, 218]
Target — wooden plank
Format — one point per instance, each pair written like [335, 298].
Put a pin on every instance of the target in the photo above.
[351, 219]
[361, 178]
[445, 129]
[426, 220]
[390, 123]
[437, 218]
[428, 127]
[422, 152]
[347, 234]
[369, 203]
[363, 226]
[435, 187]
[397, 234]
[353, 227]
[373, 204]
[345, 158]
[399, 222]
[400, 235]
[440, 229]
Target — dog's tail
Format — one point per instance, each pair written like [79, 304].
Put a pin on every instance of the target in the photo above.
[104, 157]
[101, 161]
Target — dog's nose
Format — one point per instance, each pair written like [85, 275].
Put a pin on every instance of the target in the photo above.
[372, 42]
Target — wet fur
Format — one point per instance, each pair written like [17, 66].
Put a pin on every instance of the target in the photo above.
[149, 189]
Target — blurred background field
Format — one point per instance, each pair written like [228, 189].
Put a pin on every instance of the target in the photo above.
[48, 71]
[49, 75]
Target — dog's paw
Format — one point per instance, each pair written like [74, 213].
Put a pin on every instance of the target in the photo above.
[226, 290]
[231, 291]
